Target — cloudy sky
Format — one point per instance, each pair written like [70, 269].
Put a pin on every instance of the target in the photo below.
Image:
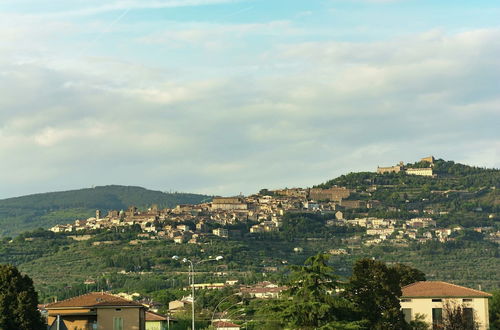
[230, 96]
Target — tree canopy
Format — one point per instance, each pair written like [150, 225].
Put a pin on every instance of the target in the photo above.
[375, 289]
[18, 301]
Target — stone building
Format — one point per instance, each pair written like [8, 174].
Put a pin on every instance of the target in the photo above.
[330, 194]
[229, 203]
[391, 169]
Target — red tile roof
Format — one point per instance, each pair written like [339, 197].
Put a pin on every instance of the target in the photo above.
[94, 299]
[152, 316]
[224, 324]
[439, 290]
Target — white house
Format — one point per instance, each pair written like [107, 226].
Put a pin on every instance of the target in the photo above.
[429, 298]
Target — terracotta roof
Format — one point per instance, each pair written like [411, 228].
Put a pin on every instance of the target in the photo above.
[94, 299]
[224, 324]
[440, 289]
[152, 316]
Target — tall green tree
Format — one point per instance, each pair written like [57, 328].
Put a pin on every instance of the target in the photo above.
[375, 290]
[18, 301]
[312, 302]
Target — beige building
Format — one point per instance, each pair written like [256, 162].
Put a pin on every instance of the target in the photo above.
[221, 232]
[421, 222]
[330, 194]
[391, 169]
[429, 159]
[229, 203]
[420, 171]
[96, 311]
[429, 298]
[293, 192]
[176, 306]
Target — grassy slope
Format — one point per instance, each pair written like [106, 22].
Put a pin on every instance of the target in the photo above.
[471, 264]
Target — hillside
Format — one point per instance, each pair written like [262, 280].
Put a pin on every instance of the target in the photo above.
[60, 266]
[461, 194]
[449, 176]
[45, 210]
[457, 243]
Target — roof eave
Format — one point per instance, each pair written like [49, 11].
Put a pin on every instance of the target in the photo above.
[95, 306]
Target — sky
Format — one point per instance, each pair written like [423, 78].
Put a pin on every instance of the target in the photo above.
[231, 96]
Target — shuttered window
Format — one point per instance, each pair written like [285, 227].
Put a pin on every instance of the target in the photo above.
[117, 323]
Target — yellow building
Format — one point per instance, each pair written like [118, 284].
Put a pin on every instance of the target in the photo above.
[391, 169]
[431, 298]
[155, 321]
[96, 311]
[420, 171]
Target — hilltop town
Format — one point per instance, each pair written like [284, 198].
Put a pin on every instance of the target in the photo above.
[265, 211]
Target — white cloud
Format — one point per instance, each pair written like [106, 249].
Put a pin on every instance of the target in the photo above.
[296, 116]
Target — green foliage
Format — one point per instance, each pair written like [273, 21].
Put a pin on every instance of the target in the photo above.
[374, 289]
[18, 301]
[311, 301]
[266, 192]
[418, 323]
[305, 224]
[408, 275]
[467, 194]
[360, 180]
[494, 310]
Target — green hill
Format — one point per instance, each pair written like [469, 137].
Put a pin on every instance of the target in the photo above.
[455, 187]
[449, 176]
[45, 210]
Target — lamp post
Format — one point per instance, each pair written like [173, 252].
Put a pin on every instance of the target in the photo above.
[191, 275]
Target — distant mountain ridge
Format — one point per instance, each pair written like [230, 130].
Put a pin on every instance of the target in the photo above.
[29, 212]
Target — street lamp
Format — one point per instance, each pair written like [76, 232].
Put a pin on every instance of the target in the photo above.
[191, 273]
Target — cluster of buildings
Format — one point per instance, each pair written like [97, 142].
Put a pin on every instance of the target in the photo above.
[189, 223]
[264, 212]
[425, 171]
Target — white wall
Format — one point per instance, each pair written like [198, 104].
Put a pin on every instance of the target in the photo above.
[424, 306]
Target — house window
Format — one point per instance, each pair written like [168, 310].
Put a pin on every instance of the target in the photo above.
[406, 300]
[117, 323]
[118, 309]
[407, 314]
[469, 317]
[437, 300]
[467, 300]
[437, 318]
